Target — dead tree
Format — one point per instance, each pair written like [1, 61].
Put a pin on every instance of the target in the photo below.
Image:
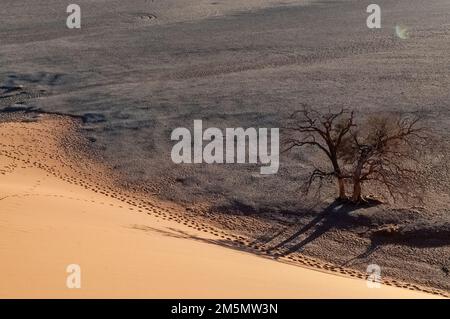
[383, 151]
[325, 131]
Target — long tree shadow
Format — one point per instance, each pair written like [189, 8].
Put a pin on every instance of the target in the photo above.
[373, 247]
[416, 238]
[308, 226]
[180, 234]
[335, 215]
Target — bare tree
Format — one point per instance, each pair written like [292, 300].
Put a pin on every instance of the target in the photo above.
[380, 150]
[383, 151]
[325, 132]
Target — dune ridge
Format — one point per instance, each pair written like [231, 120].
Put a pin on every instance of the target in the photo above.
[58, 206]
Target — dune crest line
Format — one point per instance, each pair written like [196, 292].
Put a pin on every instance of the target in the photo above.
[125, 246]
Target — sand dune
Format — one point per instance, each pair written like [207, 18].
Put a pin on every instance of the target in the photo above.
[52, 214]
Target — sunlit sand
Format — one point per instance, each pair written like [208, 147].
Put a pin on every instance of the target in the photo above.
[51, 216]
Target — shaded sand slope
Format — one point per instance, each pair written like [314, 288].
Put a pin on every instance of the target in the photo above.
[53, 215]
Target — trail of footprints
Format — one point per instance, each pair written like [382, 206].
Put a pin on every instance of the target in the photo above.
[20, 156]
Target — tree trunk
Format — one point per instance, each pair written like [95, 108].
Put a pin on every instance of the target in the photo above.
[356, 197]
[341, 186]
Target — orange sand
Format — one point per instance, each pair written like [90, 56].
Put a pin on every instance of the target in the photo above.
[50, 218]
